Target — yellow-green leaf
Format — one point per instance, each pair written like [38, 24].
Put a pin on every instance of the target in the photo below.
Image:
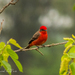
[71, 55]
[68, 39]
[64, 66]
[7, 66]
[12, 41]
[12, 54]
[18, 64]
[72, 66]
[65, 56]
[1, 58]
[2, 44]
[5, 57]
[72, 49]
[5, 53]
[73, 36]
[67, 48]
[68, 43]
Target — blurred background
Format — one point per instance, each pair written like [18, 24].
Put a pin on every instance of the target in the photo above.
[22, 20]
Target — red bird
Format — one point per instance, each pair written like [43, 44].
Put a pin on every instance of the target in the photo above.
[39, 37]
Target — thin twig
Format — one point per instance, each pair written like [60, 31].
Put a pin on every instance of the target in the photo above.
[1, 26]
[39, 51]
[10, 3]
[55, 44]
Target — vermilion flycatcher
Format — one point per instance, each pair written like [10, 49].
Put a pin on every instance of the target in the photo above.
[39, 37]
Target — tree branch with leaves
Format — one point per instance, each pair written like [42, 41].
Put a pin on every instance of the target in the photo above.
[67, 60]
[67, 66]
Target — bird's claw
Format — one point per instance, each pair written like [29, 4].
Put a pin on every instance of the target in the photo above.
[37, 47]
[43, 45]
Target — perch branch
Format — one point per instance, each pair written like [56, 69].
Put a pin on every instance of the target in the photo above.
[54, 44]
[10, 3]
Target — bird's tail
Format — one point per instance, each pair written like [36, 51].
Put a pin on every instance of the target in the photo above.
[27, 47]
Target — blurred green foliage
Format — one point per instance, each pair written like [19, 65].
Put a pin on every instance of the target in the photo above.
[74, 7]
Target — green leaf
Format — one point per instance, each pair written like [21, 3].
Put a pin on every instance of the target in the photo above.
[68, 43]
[18, 64]
[12, 41]
[1, 58]
[7, 66]
[72, 66]
[72, 49]
[72, 55]
[14, 57]
[8, 47]
[12, 54]
[5, 53]
[65, 56]
[2, 44]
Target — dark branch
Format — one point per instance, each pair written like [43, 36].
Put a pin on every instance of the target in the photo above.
[10, 3]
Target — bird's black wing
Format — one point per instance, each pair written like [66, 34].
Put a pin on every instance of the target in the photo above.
[35, 36]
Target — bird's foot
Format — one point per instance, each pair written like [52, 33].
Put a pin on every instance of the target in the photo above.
[37, 47]
[43, 45]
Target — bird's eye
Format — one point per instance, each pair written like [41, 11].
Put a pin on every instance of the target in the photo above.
[42, 30]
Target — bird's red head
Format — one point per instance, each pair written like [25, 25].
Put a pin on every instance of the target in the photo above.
[43, 28]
